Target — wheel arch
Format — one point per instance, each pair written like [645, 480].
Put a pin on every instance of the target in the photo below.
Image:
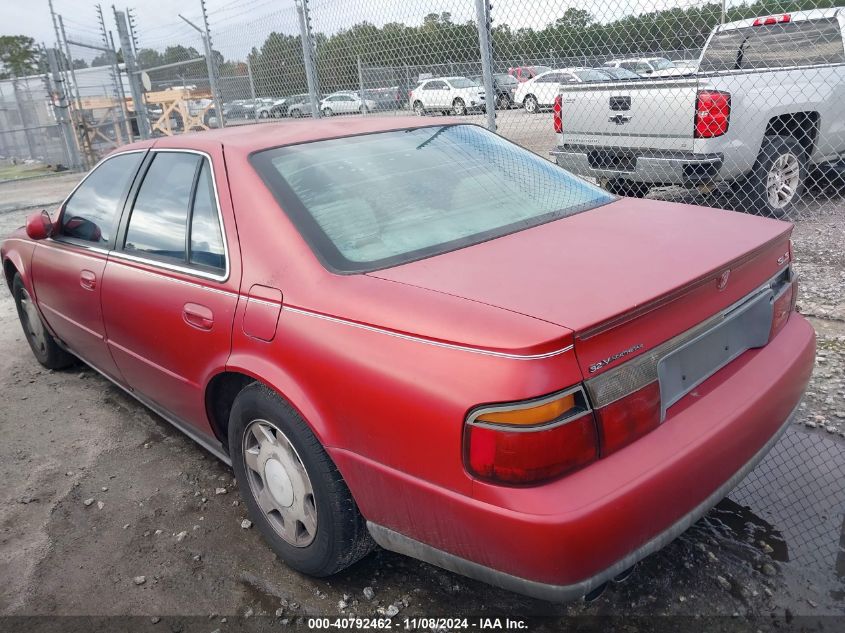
[803, 126]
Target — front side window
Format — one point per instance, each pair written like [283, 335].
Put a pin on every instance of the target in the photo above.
[463, 82]
[91, 212]
[378, 200]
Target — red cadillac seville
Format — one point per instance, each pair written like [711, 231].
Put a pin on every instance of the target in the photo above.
[412, 332]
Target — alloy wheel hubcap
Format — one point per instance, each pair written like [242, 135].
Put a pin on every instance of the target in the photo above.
[32, 322]
[782, 180]
[279, 483]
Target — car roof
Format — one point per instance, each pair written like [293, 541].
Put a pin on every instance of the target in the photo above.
[246, 139]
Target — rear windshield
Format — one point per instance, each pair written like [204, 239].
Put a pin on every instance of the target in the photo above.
[804, 43]
[378, 200]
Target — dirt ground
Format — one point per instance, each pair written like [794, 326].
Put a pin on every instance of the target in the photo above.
[99, 492]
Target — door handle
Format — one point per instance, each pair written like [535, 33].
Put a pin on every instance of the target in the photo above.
[87, 280]
[198, 316]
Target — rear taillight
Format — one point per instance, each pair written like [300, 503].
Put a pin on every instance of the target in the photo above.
[557, 110]
[530, 442]
[629, 418]
[784, 303]
[712, 113]
[773, 19]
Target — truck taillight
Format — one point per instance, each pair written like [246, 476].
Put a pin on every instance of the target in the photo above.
[712, 113]
[533, 441]
[773, 19]
[557, 110]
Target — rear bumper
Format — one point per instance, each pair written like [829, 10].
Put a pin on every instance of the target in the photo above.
[647, 166]
[560, 540]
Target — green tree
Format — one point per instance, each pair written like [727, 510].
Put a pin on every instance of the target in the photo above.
[18, 56]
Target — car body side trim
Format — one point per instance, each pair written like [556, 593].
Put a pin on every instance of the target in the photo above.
[44, 306]
[396, 542]
[419, 339]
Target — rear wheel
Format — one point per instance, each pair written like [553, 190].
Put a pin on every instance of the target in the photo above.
[295, 113]
[459, 108]
[531, 105]
[294, 492]
[776, 182]
[43, 345]
[328, 112]
[264, 114]
[419, 108]
[503, 102]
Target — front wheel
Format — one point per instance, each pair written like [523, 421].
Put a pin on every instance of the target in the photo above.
[41, 342]
[503, 102]
[327, 112]
[293, 491]
[264, 114]
[295, 113]
[459, 108]
[419, 108]
[531, 105]
[777, 180]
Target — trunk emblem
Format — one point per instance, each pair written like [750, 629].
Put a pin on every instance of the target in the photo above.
[614, 357]
[723, 280]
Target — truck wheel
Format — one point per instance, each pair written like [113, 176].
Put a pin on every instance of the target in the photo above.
[293, 491]
[777, 180]
[41, 342]
[626, 188]
[531, 104]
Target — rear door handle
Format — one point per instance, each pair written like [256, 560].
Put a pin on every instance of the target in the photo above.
[198, 316]
[87, 280]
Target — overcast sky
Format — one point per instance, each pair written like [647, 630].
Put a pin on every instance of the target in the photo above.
[236, 25]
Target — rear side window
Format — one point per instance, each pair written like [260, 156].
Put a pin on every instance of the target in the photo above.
[803, 43]
[91, 212]
[175, 215]
[157, 225]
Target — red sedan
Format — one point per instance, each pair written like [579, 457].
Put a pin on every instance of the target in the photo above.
[414, 333]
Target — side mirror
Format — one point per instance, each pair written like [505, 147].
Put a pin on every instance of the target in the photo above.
[39, 226]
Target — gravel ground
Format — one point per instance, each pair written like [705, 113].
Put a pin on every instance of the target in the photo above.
[108, 510]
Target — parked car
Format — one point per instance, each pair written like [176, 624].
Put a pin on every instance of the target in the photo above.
[375, 320]
[266, 109]
[504, 86]
[297, 106]
[345, 103]
[540, 92]
[617, 73]
[524, 73]
[391, 98]
[762, 112]
[648, 66]
[456, 95]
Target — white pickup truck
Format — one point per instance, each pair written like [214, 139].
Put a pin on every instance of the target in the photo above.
[765, 107]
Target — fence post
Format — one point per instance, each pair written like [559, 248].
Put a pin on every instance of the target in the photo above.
[60, 107]
[485, 45]
[141, 117]
[361, 86]
[212, 68]
[308, 56]
[251, 82]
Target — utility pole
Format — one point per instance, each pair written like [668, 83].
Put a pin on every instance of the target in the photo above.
[132, 74]
[115, 70]
[209, 62]
[60, 107]
[308, 55]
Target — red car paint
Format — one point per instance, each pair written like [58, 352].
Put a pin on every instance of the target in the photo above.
[385, 366]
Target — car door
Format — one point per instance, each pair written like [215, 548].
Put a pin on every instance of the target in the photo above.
[435, 94]
[171, 286]
[547, 88]
[68, 268]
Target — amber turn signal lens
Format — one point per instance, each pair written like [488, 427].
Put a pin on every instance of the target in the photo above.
[540, 414]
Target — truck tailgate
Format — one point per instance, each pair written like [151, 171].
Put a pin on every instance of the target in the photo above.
[653, 113]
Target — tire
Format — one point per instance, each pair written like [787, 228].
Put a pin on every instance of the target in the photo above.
[332, 534]
[531, 104]
[296, 113]
[419, 108]
[328, 112]
[363, 110]
[41, 342]
[503, 102]
[626, 188]
[776, 181]
[459, 108]
[264, 114]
